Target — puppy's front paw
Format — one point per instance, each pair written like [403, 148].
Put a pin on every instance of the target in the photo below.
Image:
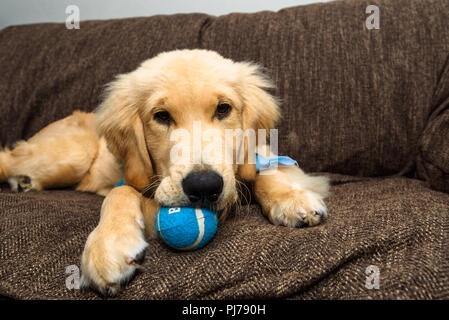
[301, 208]
[110, 260]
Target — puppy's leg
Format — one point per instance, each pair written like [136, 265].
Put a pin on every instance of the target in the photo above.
[117, 244]
[289, 197]
[57, 156]
[13, 168]
[103, 174]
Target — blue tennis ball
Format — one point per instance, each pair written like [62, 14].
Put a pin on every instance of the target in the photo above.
[186, 228]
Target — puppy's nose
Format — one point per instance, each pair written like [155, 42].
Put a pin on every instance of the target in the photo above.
[202, 186]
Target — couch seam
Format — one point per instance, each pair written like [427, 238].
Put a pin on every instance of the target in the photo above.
[435, 111]
[203, 28]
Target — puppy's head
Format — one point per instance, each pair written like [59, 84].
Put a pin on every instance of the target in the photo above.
[176, 121]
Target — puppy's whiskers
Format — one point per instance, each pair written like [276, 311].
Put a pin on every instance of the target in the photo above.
[241, 195]
[152, 186]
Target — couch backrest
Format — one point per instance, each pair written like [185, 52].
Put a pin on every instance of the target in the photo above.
[354, 101]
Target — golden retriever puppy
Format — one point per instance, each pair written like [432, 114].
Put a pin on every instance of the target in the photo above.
[151, 129]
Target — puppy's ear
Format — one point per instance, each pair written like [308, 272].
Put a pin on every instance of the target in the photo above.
[260, 110]
[118, 120]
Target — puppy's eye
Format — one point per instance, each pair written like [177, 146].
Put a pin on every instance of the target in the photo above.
[223, 110]
[163, 117]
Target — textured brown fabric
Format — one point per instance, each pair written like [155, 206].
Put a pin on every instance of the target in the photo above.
[396, 224]
[433, 157]
[357, 102]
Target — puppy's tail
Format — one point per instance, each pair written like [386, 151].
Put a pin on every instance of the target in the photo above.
[4, 153]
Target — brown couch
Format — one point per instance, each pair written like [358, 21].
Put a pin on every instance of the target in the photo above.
[370, 108]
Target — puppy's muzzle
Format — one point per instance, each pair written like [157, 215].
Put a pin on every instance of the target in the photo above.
[202, 186]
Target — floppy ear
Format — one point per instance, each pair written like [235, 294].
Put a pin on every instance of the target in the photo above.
[118, 120]
[260, 111]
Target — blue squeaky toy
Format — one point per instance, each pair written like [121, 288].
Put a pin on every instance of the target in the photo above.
[186, 228]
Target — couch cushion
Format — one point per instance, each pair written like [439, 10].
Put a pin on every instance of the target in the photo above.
[396, 224]
[355, 101]
[433, 155]
[48, 71]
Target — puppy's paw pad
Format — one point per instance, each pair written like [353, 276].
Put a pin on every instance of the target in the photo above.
[21, 183]
[25, 183]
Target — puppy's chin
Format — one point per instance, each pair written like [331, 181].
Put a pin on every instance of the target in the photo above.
[221, 207]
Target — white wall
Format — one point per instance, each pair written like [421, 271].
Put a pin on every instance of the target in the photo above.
[32, 11]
